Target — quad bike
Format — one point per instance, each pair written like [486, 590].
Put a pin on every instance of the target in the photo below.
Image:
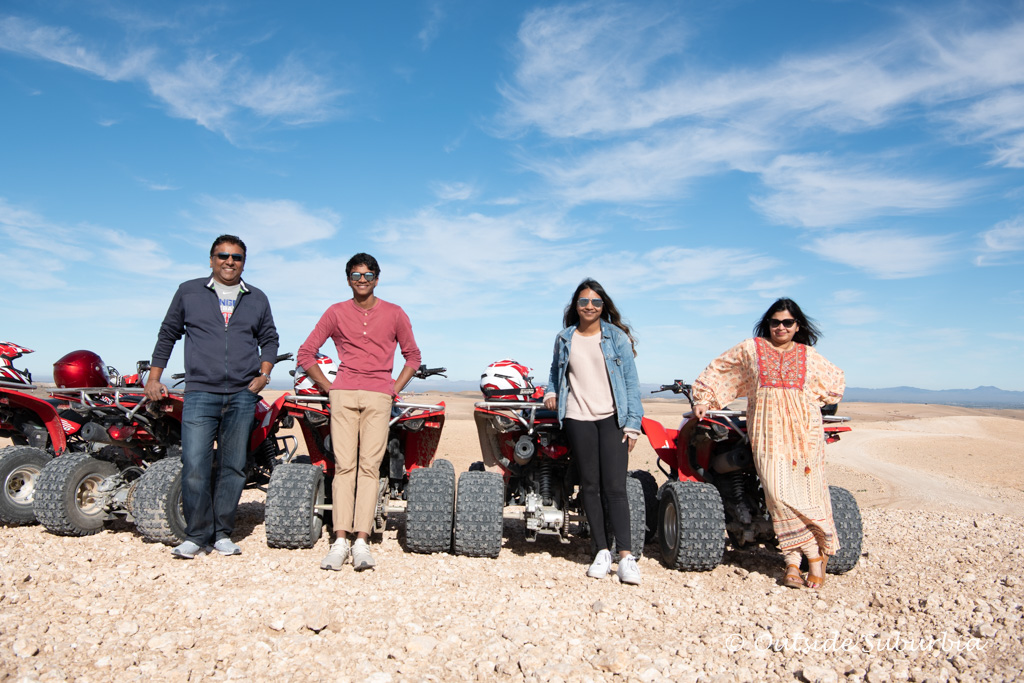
[536, 471]
[713, 491]
[300, 491]
[133, 469]
[40, 428]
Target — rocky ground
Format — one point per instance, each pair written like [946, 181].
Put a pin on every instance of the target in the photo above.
[937, 594]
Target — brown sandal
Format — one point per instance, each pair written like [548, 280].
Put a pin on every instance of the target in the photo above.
[816, 582]
[793, 578]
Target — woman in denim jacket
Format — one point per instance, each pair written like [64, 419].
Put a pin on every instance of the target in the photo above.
[593, 385]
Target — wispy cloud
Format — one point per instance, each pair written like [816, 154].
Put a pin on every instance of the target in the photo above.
[218, 91]
[657, 167]
[885, 254]
[817, 191]
[432, 26]
[1003, 244]
[265, 225]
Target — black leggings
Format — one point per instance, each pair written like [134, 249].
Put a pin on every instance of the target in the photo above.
[602, 459]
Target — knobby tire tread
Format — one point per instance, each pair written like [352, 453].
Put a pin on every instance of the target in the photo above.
[479, 514]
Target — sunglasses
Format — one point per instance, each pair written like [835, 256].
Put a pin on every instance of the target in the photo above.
[598, 303]
[355, 277]
[234, 257]
[787, 323]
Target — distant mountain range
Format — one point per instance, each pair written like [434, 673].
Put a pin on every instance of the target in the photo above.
[979, 397]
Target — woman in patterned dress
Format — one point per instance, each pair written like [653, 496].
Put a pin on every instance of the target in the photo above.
[786, 382]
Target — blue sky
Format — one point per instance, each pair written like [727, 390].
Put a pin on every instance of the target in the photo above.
[699, 159]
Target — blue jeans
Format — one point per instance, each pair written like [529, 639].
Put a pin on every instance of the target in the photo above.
[210, 489]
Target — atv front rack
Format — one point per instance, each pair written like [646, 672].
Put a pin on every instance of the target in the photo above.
[524, 413]
[16, 385]
[87, 396]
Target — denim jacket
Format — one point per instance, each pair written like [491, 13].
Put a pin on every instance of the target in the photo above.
[618, 357]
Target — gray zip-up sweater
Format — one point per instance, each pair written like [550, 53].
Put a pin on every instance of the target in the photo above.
[218, 359]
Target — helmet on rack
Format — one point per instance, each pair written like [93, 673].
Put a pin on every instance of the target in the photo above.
[9, 373]
[507, 380]
[80, 369]
[304, 386]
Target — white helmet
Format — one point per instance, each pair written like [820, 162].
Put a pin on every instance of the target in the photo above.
[507, 380]
[304, 386]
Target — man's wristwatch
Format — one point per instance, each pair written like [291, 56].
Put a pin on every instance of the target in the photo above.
[263, 374]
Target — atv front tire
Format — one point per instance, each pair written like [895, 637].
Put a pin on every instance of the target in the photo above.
[849, 530]
[67, 499]
[431, 506]
[156, 503]
[294, 516]
[691, 526]
[478, 514]
[20, 467]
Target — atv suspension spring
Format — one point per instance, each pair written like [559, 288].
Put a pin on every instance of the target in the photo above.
[735, 485]
[545, 480]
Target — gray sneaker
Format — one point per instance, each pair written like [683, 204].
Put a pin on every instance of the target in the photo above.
[361, 557]
[628, 571]
[337, 555]
[602, 565]
[187, 550]
[225, 547]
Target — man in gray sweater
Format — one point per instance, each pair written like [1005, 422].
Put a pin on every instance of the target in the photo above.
[230, 347]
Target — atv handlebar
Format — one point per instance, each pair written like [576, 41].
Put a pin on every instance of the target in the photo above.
[677, 387]
[424, 372]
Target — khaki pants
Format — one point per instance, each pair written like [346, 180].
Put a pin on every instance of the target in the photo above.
[359, 437]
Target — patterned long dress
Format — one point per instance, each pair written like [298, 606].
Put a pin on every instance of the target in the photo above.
[785, 392]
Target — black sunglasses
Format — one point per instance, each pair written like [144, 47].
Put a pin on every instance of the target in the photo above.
[582, 301]
[787, 323]
[234, 257]
[355, 277]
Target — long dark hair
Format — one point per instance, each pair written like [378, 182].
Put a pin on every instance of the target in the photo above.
[609, 313]
[808, 333]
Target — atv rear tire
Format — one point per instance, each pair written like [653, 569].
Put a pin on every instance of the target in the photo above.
[431, 506]
[20, 467]
[156, 503]
[691, 526]
[479, 519]
[650, 490]
[849, 530]
[637, 520]
[293, 518]
[443, 464]
[66, 500]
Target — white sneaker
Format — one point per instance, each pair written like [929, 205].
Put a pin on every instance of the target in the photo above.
[628, 571]
[601, 566]
[337, 555]
[361, 557]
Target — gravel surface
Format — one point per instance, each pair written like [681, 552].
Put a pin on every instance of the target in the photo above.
[937, 595]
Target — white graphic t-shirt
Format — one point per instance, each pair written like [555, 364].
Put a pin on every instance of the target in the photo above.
[227, 295]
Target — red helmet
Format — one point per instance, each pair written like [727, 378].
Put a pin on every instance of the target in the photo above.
[9, 373]
[507, 380]
[304, 386]
[80, 369]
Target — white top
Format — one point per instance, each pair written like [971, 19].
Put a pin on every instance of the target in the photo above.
[590, 390]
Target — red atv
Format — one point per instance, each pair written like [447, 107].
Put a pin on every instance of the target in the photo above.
[133, 469]
[713, 491]
[536, 471]
[40, 428]
[300, 490]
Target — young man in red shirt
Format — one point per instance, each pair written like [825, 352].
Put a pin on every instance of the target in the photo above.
[366, 331]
